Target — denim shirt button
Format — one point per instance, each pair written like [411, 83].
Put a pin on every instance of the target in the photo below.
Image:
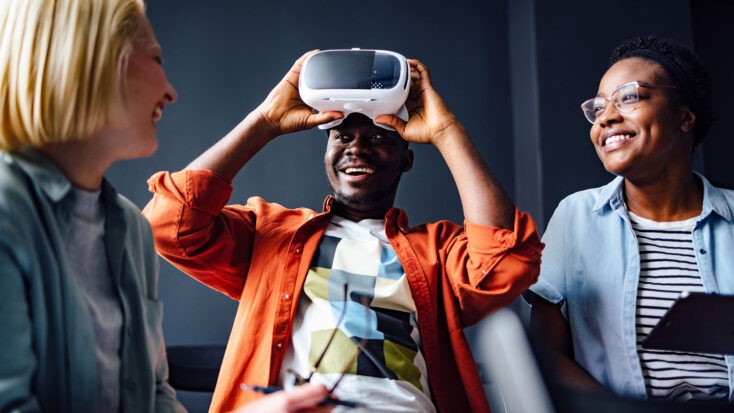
[702, 251]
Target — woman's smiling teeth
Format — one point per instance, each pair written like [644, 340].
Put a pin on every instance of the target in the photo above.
[157, 113]
[616, 138]
[358, 171]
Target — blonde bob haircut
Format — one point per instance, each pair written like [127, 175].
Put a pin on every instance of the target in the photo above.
[62, 65]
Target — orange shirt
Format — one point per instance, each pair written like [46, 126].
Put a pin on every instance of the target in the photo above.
[259, 254]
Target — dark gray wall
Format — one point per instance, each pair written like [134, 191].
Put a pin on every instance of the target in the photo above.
[224, 56]
[574, 42]
[714, 41]
[571, 42]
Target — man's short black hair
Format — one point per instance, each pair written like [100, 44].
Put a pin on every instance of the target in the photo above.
[690, 66]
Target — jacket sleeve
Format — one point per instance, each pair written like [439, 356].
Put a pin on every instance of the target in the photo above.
[17, 359]
[195, 231]
[165, 395]
[489, 267]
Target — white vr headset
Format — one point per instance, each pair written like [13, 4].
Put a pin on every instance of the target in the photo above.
[370, 82]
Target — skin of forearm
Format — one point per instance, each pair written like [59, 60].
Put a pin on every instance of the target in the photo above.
[483, 200]
[230, 154]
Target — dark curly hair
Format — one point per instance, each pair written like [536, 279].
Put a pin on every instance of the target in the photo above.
[691, 70]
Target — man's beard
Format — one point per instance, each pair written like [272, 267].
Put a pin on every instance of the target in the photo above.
[366, 200]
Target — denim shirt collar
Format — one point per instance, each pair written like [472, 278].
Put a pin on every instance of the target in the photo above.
[612, 195]
[714, 201]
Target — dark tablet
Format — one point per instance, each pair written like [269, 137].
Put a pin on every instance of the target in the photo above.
[697, 322]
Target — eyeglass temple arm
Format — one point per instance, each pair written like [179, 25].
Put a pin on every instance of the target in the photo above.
[360, 348]
[360, 345]
[316, 365]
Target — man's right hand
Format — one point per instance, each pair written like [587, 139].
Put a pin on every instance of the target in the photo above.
[283, 111]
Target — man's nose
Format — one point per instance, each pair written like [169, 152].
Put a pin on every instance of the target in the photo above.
[359, 145]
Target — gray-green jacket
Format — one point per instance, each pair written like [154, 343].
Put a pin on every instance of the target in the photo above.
[47, 360]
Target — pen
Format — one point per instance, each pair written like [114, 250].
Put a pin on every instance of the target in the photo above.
[327, 401]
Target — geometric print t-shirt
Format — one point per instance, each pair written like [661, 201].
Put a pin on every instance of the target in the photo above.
[377, 313]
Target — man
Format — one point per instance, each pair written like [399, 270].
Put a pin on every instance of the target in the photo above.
[352, 289]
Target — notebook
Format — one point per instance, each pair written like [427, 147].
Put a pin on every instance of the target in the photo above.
[697, 322]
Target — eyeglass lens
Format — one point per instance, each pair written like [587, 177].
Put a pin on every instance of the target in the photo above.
[624, 98]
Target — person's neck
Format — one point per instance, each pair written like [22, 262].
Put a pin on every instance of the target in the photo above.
[83, 164]
[357, 215]
[672, 197]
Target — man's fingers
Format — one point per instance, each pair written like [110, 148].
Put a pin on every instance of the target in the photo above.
[393, 122]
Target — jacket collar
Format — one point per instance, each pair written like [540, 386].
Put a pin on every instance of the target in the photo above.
[44, 174]
[714, 200]
[47, 177]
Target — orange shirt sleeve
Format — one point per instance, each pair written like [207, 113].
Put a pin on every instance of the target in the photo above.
[195, 230]
[489, 267]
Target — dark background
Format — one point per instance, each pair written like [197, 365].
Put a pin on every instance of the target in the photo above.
[514, 72]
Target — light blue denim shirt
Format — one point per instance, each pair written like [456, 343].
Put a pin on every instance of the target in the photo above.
[591, 265]
[47, 360]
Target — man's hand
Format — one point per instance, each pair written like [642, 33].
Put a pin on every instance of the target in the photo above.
[482, 198]
[283, 111]
[430, 119]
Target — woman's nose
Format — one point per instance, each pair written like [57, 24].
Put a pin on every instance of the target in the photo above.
[610, 113]
[171, 94]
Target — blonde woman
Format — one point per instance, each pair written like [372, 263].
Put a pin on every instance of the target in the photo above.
[81, 87]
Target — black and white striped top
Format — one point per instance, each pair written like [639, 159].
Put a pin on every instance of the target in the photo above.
[667, 268]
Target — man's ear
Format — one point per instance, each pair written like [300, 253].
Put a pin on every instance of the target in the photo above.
[407, 160]
[688, 120]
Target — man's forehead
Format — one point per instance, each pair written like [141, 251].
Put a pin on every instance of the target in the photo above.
[358, 121]
[355, 120]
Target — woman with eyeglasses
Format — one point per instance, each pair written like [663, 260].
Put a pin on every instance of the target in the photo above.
[618, 256]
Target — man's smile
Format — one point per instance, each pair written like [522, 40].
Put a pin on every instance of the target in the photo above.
[354, 173]
[358, 171]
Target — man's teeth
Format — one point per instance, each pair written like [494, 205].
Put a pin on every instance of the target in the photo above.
[359, 171]
[157, 113]
[616, 138]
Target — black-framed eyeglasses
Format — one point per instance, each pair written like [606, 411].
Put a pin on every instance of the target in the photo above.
[625, 98]
[298, 379]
